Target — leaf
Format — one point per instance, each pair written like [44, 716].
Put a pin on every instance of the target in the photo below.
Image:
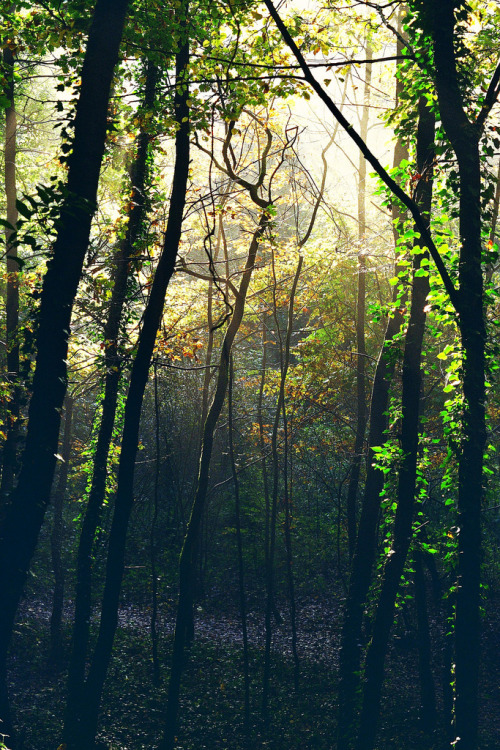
[23, 209]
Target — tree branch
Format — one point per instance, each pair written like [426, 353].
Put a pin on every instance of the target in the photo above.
[370, 157]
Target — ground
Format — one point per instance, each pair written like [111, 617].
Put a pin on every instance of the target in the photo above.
[212, 696]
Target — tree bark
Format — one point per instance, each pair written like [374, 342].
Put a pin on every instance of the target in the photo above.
[152, 541]
[286, 495]
[26, 509]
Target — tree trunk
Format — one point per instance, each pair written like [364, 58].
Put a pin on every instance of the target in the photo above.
[239, 545]
[56, 540]
[464, 136]
[9, 458]
[410, 401]
[79, 732]
[113, 367]
[427, 687]
[25, 512]
[152, 541]
[286, 494]
[186, 568]
[271, 531]
[352, 491]
[364, 552]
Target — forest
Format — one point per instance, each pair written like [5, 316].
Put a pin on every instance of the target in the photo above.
[249, 358]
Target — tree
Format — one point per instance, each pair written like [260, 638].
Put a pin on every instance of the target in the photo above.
[113, 372]
[464, 133]
[9, 460]
[407, 476]
[56, 539]
[27, 505]
[82, 711]
[184, 606]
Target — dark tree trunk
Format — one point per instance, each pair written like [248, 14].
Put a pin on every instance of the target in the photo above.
[427, 687]
[56, 540]
[113, 366]
[186, 567]
[239, 545]
[468, 301]
[25, 512]
[464, 136]
[410, 401]
[271, 533]
[364, 552]
[152, 542]
[286, 482]
[80, 728]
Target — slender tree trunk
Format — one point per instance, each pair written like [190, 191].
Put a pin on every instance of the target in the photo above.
[352, 490]
[113, 368]
[286, 494]
[364, 552]
[402, 535]
[25, 512]
[494, 222]
[239, 544]
[198, 588]
[273, 512]
[427, 687]
[56, 540]
[447, 669]
[9, 458]
[152, 541]
[80, 731]
[269, 518]
[186, 570]
[464, 136]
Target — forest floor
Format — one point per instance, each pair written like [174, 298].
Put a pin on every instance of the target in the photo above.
[212, 697]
